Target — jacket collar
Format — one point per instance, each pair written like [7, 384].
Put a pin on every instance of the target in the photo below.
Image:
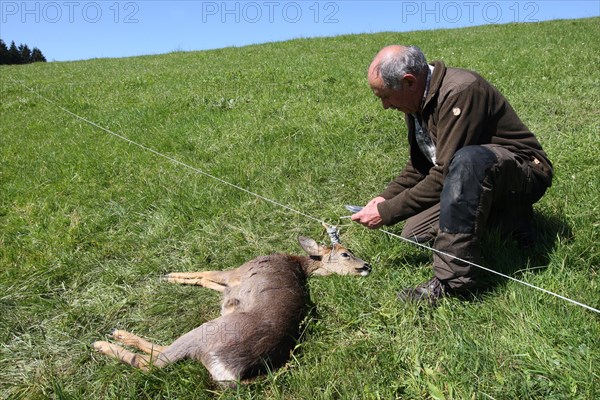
[436, 81]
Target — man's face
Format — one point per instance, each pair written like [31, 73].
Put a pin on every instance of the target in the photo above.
[391, 98]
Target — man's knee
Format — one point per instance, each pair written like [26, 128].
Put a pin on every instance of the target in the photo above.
[423, 227]
[463, 187]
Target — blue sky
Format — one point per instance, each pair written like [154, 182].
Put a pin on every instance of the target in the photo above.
[79, 29]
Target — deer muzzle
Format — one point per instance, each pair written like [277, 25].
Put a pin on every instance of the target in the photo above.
[364, 270]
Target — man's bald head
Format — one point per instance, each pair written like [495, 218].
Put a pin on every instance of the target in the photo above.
[393, 62]
[398, 76]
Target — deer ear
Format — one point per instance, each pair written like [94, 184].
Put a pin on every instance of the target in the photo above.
[310, 246]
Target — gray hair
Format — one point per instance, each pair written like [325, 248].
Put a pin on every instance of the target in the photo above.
[394, 66]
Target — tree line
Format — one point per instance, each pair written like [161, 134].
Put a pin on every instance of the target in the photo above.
[20, 54]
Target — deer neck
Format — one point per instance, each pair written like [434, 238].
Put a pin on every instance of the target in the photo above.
[311, 265]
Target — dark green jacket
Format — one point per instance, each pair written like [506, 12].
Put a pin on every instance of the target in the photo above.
[461, 109]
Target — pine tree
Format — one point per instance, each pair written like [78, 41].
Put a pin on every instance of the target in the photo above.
[13, 54]
[19, 55]
[37, 56]
[24, 54]
[3, 53]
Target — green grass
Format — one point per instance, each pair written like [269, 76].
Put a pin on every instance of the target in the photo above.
[89, 223]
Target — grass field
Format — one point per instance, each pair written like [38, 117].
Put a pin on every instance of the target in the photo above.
[89, 223]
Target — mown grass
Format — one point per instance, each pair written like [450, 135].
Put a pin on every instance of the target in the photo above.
[89, 223]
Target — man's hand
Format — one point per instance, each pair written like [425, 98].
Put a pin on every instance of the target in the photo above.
[369, 215]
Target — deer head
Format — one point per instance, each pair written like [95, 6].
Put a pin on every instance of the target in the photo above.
[336, 259]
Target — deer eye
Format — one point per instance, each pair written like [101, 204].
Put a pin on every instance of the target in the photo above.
[344, 255]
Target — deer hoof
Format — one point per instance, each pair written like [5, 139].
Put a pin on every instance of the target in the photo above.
[101, 346]
[119, 334]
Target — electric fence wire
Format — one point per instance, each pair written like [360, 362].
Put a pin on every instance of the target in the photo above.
[223, 181]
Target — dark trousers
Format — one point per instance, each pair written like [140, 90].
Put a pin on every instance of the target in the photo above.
[486, 186]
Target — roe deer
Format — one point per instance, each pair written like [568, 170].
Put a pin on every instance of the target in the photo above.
[264, 303]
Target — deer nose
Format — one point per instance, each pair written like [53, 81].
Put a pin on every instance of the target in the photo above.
[365, 269]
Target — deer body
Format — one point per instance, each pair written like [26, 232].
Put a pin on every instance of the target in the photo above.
[264, 303]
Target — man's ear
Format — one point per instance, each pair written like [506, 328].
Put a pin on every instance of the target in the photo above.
[409, 81]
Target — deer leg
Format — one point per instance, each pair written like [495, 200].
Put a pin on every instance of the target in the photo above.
[216, 280]
[197, 282]
[140, 361]
[129, 339]
[186, 275]
[205, 344]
